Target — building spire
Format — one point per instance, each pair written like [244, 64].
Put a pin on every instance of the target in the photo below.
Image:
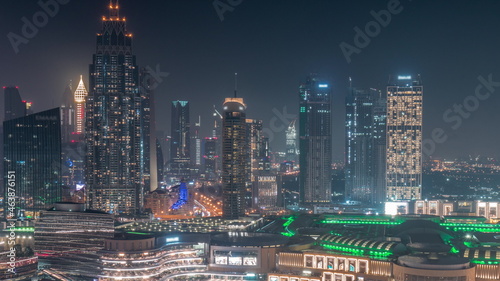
[235, 84]
[81, 91]
[114, 9]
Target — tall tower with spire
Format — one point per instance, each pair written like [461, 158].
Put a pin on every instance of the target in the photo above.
[234, 158]
[113, 121]
[80, 96]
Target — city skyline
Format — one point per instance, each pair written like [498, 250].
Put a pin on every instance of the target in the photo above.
[323, 160]
[369, 68]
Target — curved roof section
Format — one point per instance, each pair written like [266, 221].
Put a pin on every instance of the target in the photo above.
[360, 243]
[434, 262]
[234, 105]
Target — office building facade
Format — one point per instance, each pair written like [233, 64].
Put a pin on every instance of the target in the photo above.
[32, 161]
[365, 146]
[315, 141]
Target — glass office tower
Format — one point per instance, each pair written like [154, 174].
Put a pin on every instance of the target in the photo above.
[32, 161]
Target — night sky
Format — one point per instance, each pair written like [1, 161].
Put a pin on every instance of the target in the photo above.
[274, 45]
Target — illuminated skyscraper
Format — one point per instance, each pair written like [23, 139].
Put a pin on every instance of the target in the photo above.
[196, 144]
[113, 122]
[210, 156]
[365, 146]
[68, 126]
[404, 138]
[149, 168]
[80, 96]
[315, 141]
[234, 158]
[180, 145]
[254, 140]
[254, 135]
[217, 134]
[291, 142]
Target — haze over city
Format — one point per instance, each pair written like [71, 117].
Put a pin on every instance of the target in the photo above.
[273, 45]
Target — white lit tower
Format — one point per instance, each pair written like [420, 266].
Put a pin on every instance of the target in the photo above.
[80, 96]
[404, 138]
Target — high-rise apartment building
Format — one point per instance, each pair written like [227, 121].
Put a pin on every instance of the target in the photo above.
[404, 138]
[315, 141]
[113, 122]
[234, 158]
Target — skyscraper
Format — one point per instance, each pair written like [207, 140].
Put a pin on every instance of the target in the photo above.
[359, 163]
[315, 141]
[254, 141]
[15, 107]
[159, 161]
[365, 132]
[234, 158]
[379, 147]
[113, 132]
[80, 96]
[254, 135]
[180, 145]
[291, 142]
[404, 138]
[196, 144]
[68, 115]
[148, 131]
[210, 156]
[217, 134]
[32, 153]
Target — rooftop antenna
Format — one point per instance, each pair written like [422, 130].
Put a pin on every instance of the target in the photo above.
[235, 84]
